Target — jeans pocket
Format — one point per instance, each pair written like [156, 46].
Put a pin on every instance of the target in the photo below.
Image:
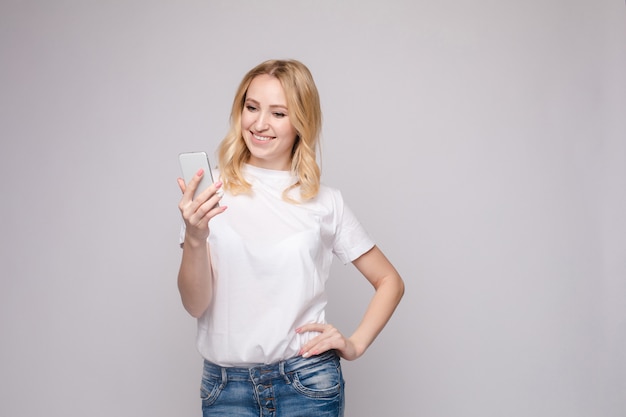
[322, 380]
[210, 388]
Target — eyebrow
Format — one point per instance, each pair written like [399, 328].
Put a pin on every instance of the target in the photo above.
[272, 106]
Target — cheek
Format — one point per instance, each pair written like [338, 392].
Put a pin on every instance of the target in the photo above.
[245, 121]
[288, 130]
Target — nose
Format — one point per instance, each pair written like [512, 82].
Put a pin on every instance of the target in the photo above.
[261, 123]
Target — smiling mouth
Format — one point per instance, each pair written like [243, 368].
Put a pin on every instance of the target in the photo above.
[262, 138]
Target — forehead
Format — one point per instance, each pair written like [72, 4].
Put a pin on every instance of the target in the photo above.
[266, 89]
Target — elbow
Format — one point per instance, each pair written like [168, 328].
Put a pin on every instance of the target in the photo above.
[194, 311]
[194, 305]
[393, 286]
[399, 287]
[195, 299]
[195, 314]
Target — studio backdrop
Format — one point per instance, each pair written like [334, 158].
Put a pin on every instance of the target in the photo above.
[481, 143]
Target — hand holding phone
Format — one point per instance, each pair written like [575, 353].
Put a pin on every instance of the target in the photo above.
[191, 163]
[195, 213]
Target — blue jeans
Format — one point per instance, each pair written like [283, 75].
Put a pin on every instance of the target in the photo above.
[297, 387]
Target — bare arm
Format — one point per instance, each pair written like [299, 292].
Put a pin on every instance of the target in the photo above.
[194, 275]
[389, 289]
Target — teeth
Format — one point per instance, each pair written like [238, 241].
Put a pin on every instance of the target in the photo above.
[263, 138]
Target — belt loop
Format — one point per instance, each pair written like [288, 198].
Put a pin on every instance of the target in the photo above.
[224, 376]
[281, 369]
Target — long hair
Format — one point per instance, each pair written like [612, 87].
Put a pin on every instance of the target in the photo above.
[305, 114]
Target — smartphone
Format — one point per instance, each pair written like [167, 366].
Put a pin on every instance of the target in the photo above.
[190, 163]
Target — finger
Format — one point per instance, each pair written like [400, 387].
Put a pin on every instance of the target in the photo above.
[186, 204]
[213, 190]
[181, 184]
[312, 327]
[211, 208]
[329, 338]
[321, 346]
[200, 215]
[192, 186]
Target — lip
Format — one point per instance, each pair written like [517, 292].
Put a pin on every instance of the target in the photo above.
[261, 138]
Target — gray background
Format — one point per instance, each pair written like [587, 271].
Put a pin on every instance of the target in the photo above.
[481, 143]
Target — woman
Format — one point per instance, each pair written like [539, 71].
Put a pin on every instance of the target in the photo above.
[254, 267]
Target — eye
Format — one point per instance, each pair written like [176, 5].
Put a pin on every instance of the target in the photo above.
[279, 115]
[250, 108]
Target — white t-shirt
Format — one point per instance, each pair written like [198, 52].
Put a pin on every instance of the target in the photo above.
[271, 260]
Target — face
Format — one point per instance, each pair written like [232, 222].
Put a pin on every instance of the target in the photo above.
[265, 124]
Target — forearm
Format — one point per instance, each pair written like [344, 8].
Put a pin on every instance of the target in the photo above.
[194, 277]
[388, 294]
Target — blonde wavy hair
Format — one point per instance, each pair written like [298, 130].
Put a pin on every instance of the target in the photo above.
[303, 104]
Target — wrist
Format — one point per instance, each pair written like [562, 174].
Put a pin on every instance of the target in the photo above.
[195, 241]
[358, 346]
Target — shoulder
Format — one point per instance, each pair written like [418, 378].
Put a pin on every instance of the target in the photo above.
[326, 189]
[329, 194]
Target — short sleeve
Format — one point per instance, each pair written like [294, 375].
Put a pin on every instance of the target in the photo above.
[352, 240]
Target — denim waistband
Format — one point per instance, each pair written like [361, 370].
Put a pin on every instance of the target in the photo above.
[258, 373]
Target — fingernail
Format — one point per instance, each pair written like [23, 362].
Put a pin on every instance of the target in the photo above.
[200, 172]
[306, 354]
